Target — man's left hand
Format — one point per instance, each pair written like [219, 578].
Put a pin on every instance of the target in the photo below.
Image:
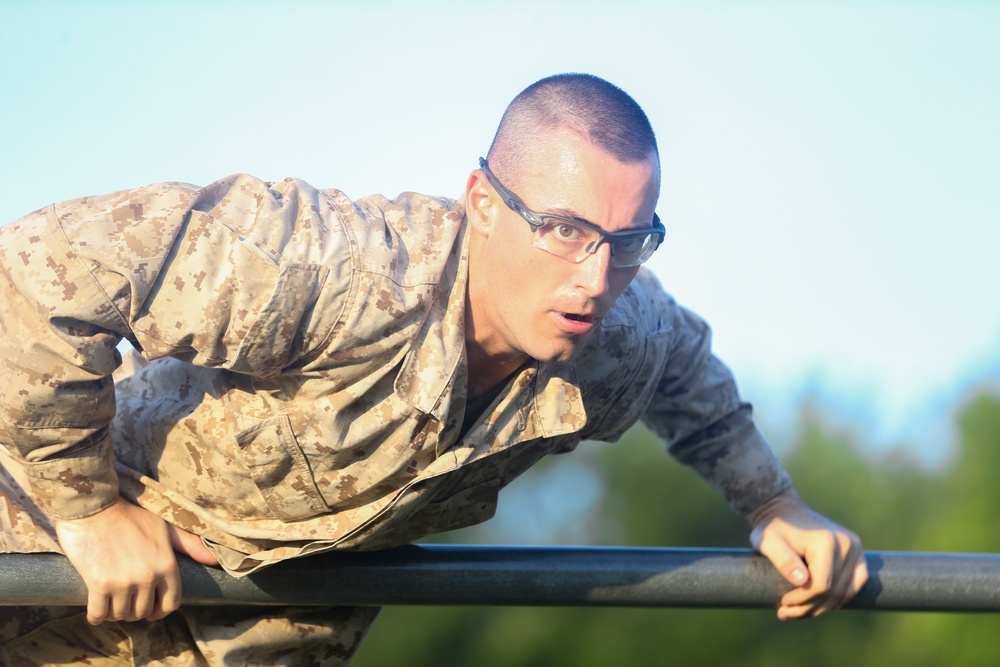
[823, 560]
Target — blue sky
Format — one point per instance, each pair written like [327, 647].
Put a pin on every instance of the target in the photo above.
[830, 169]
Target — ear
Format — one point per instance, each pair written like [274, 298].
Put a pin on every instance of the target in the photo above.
[480, 203]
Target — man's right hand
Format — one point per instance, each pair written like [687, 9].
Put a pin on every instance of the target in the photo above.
[125, 555]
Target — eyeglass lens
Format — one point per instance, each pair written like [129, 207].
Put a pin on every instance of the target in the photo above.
[575, 242]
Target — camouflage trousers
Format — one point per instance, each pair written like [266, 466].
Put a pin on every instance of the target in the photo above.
[190, 637]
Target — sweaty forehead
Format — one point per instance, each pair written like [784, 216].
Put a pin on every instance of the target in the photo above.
[562, 164]
[612, 198]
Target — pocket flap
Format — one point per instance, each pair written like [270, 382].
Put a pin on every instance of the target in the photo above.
[280, 469]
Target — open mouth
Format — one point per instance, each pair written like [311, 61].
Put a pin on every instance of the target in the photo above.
[578, 318]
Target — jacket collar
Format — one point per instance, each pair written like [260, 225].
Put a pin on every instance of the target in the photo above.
[433, 375]
[429, 374]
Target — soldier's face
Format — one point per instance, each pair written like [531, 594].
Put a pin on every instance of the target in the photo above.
[537, 304]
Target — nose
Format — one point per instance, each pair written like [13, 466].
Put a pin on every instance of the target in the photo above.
[592, 272]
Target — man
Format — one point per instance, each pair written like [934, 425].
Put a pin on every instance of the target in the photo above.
[318, 373]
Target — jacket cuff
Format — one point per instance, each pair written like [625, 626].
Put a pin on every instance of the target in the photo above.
[747, 474]
[77, 485]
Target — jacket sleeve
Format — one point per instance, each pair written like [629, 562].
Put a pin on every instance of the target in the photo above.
[225, 276]
[697, 410]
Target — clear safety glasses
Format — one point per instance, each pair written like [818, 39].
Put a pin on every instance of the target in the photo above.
[574, 239]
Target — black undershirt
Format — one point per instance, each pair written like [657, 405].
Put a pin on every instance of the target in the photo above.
[474, 408]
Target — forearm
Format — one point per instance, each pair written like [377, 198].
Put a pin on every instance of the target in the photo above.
[736, 460]
[56, 353]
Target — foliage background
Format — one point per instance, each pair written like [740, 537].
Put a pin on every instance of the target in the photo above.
[893, 502]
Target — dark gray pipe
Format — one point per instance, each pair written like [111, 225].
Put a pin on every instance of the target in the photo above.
[535, 576]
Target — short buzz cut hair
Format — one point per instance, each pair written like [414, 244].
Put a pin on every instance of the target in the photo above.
[585, 104]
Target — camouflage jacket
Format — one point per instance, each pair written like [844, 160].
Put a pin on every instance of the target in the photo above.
[305, 387]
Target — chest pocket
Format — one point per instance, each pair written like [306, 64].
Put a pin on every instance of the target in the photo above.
[280, 470]
[274, 335]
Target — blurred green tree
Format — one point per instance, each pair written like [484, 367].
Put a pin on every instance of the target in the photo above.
[892, 503]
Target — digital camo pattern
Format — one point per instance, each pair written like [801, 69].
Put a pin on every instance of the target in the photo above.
[190, 637]
[302, 384]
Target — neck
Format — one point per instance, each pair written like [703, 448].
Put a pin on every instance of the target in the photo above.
[489, 364]
[486, 371]
[491, 358]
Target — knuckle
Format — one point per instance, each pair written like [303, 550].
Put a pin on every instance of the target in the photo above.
[827, 540]
[853, 546]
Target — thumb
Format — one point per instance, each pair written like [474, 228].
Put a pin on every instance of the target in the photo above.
[784, 558]
[191, 545]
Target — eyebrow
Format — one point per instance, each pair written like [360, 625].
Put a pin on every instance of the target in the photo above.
[569, 213]
[560, 212]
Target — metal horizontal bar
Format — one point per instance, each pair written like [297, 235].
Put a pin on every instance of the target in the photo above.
[535, 576]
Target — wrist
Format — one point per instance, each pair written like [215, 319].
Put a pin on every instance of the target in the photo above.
[778, 504]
